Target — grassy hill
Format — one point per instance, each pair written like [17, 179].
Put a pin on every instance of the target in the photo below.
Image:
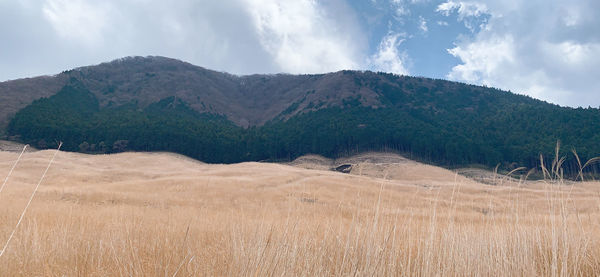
[156, 214]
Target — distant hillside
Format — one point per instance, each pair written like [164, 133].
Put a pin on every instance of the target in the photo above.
[245, 100]
[157, 103]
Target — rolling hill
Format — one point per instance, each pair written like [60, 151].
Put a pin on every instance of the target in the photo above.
[147, 214]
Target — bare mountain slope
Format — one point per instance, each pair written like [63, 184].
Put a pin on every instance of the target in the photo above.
[245, 100]
[17, 94]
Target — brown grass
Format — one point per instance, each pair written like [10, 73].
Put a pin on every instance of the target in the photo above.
[139, 214]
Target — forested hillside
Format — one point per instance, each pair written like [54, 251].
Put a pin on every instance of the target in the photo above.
[443, 122]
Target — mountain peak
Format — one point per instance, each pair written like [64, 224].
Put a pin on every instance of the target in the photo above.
[246, 100]
[140, 64]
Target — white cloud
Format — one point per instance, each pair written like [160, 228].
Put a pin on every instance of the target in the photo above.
[482, 60]
[388, 57]
[573, 54]
[77, 19]
[469, 12]
[547, 49]
[401, 7]
[238, 36]
[302, 37]
[464, 8]
[423, 24]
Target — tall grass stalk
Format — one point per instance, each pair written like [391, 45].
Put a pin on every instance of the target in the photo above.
[29, 202]
[13, 168]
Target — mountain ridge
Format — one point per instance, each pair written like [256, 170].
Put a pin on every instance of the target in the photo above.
[157, 104]
[247, 100]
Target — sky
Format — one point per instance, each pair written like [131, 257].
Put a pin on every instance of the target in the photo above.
[547, 49]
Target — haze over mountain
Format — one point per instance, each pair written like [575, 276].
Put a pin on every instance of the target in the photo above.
[157, 103]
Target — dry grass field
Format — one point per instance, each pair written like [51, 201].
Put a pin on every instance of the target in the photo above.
[158, 214]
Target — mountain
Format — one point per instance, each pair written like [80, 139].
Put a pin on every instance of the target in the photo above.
[245, 100]
[157, 103]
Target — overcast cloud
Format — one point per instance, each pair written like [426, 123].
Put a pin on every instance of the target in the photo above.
[546, 49]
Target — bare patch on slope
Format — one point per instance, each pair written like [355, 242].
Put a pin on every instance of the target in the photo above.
[11, 146]
[381, 165]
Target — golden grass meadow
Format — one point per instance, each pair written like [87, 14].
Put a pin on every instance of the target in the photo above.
[160, 214]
